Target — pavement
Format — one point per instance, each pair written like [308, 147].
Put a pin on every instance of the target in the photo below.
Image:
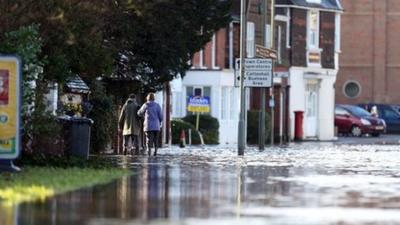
[369, 140]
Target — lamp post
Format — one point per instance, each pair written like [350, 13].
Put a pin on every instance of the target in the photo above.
[271, 90]
[242, 116]
[263, 89]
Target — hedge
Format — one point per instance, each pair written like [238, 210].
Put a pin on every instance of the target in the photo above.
[177, 126]
[252, 127]
[208, 126]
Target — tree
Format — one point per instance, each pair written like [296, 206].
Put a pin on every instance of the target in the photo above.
[150, 41]
[157, 38]
[38, 125]
[71, 30]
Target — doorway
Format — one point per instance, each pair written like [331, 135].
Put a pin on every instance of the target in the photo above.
[311, 113]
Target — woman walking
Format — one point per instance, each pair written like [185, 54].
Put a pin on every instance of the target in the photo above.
[151, 112]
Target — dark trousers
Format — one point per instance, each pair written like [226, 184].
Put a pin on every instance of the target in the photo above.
[151, 140]
[131, 141]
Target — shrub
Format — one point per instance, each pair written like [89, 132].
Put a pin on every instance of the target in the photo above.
[177, 127]
[208, 126]
[104, 116]
[252, 127]
[41, 133]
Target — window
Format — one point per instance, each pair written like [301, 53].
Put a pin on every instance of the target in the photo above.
[198, 92]
[177, 100]
[337, 32]
[201, 58]
[340, 112]
[228, 103]
[390, 114]
[250, 39]
[351, 89]
[268, 36]
[288, 28]
[313, 29]
[279, 49]
[214, 52]
[224, 103]
[231, 60]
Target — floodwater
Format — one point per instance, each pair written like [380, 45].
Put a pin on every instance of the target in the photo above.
[312, 183]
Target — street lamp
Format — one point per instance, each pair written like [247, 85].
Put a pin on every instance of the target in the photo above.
[242, 116]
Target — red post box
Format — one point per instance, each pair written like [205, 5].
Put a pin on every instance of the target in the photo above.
[298, 125]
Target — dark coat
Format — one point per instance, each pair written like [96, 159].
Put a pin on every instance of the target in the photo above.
[128, 119]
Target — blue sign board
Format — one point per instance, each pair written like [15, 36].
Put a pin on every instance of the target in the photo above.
[199, 104]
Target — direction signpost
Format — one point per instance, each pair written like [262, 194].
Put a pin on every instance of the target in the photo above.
[257, 72]
[265, 53]
[10, 105]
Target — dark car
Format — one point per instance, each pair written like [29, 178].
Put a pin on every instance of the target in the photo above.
[357, 121]
[389, 113]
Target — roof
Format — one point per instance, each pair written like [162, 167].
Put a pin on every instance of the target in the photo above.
[76, 85]
[325, 4]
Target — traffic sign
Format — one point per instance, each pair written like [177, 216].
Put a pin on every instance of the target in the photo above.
[265, 53]
[257, 72]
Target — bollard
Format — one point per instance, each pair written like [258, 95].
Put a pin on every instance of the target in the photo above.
[182, 139]
[190, 136]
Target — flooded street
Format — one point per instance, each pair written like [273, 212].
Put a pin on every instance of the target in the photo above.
[311, 183]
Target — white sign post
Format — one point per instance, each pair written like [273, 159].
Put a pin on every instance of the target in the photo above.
[257, 72]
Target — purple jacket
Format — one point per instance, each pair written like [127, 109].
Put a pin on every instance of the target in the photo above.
[152, 116]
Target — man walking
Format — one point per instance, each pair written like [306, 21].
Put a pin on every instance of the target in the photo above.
[129, 124]
[152, 122]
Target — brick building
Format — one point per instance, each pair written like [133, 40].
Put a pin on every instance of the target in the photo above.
[312, 52]
[306, 37]
[370, 59]
[212, 72]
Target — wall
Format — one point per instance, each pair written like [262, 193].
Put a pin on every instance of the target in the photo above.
[370, 50]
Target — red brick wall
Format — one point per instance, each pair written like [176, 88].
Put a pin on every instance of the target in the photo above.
[221, 54]
[370, 47]
[299, 37]
[222, 46]
[327, 39]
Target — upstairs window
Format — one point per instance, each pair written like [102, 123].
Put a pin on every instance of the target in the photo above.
[313, 30]
[250, 45]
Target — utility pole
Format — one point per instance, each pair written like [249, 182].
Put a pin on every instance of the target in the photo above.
[271, 90]
[242, 116]
[263, 89]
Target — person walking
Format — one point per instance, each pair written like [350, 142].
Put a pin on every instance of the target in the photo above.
[151, 111]
[129, 124]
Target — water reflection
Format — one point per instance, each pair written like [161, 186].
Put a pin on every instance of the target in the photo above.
[156, 191]
[276, 187]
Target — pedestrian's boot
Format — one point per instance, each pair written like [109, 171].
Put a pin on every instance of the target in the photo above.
[149, 151]
[155, 152]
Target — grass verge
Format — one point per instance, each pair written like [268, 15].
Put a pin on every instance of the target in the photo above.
[38, 183]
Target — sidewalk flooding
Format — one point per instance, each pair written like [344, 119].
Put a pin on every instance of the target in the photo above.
[301, 184]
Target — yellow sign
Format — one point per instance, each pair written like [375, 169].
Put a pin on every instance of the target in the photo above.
[9, 107]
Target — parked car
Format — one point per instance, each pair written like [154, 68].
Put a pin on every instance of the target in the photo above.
[389, 113]
[396, 107]
[357, 121]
